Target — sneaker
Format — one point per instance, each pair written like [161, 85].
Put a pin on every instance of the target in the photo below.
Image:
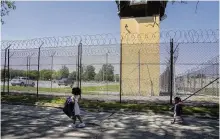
[72, 125]
[81, 125]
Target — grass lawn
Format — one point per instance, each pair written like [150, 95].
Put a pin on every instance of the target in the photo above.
[86, 90]
[59, 101]
[207, 91]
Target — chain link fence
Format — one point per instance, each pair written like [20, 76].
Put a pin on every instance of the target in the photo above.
[110, 67]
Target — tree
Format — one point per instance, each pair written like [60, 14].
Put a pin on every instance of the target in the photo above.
[106, 73]
[46, 74]
[33, 74]
[20, 73]
[55, 75]
[6, 6]
[89, 73]
[64, 72]
[72, 75]
[12, 73]
[99, 76]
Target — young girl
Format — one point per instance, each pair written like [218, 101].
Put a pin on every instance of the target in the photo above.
[72, 104]
[177, 109]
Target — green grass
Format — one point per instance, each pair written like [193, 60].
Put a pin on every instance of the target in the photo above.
[59, 101]
[86, 90]
[206, 91]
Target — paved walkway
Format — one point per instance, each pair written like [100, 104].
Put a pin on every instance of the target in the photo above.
[26, 122]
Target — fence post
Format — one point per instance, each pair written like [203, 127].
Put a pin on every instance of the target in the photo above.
[80, 83]
[120, 84]
[78, 67]
[5, 66]
[4, 70]
[213, 76]
[8, 69]
[106, 75]
[29, 66]
[139, 73]
[171, 70]
[38, 69]
[27, 75]
[51, 82]
[103, 74]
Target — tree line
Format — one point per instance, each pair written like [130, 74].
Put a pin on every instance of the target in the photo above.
[106, 73]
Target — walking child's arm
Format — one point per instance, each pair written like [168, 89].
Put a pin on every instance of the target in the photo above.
[72, 98]
[172, 108]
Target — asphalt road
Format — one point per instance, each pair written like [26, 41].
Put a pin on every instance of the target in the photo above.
[27, 122]
[47, 84]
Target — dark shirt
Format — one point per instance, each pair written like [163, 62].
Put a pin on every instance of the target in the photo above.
[178, 109]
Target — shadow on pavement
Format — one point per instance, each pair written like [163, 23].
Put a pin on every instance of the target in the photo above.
[19, 121]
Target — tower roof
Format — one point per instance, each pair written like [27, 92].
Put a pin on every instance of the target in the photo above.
[141, 8]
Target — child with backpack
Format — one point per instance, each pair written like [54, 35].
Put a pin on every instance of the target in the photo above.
[71, 108]
[177, 110]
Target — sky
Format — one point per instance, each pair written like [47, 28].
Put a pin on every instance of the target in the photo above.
[46, 19]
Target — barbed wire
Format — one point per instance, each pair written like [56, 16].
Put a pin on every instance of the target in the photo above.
[59, 52]
[180, 36]
[213, 61]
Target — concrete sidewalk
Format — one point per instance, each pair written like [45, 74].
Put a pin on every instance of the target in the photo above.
[26, 122]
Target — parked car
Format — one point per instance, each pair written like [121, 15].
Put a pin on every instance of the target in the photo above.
[65, 81]
[22, 81]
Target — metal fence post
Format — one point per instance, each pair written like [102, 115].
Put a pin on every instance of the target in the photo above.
[38, 69]
[120, 84]
[5, 66]
[80, 83]
[27, 75]
[51, 82]
[28, 66]
[78, 59]
[139, 73]
[76, 70]
[4, 70]
[171, 70]
[80, 66]
[8, 69]
[106, 75]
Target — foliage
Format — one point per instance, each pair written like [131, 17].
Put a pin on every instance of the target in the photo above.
[46, 74]
[33, 74]
[63, 72]
[106, 73]
[6, 6]
[89, 73]
[55, 75]
[72, 75]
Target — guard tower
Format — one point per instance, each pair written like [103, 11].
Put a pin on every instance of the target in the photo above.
[140, 54]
